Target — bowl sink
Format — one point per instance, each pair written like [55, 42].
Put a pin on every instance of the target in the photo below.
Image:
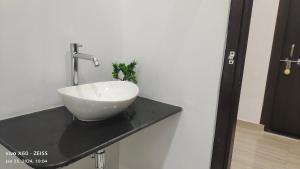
[98, 101]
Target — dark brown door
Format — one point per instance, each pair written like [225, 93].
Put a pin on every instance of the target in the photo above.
[285, 112]
[230, 87]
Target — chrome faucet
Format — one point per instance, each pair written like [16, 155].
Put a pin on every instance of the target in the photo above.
[75, 55]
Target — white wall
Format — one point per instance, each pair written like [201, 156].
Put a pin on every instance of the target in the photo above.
[259, 49]
[179, 46]
[34, 41]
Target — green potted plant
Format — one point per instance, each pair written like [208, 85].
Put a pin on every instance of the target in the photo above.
[128, 72]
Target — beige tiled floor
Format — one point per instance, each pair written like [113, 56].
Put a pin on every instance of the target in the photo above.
[256, 149]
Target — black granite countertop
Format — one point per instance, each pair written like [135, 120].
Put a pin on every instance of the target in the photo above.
[52, 135]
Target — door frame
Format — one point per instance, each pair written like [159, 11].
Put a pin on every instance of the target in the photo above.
[278, 41]
[231, 81]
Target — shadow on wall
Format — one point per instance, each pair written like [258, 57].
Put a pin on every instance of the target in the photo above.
[68, 67]
[155, 145]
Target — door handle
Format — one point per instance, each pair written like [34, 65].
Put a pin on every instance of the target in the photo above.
[291, 61]
[288, 62]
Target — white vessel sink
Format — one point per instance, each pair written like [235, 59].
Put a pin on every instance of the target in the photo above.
[98, 101]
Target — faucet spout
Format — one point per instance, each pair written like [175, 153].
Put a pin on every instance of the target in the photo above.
[96, 62]
[87, 57]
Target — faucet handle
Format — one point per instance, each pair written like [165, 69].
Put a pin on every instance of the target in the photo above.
[79, 45]
[75, 47]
